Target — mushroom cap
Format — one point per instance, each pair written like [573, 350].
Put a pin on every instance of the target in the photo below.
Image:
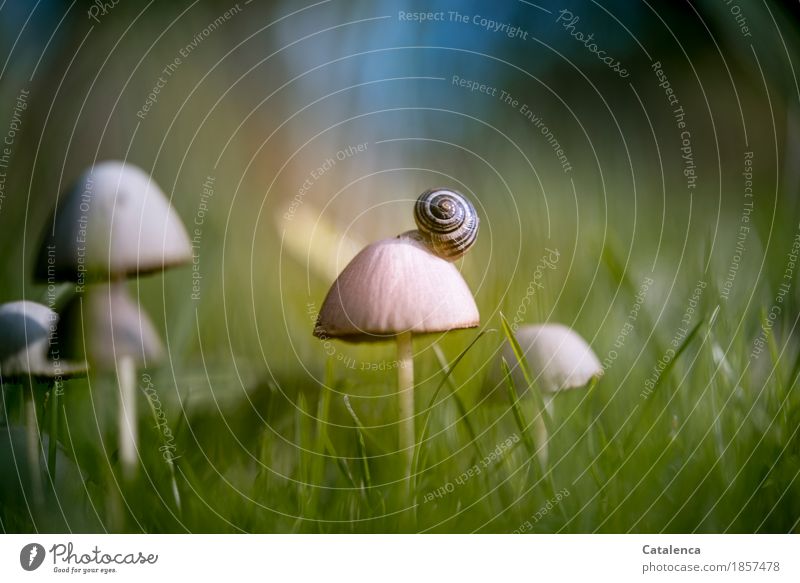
[394, 286]
[113, 221]
[104, 326]
[558, 357]
[25, 329]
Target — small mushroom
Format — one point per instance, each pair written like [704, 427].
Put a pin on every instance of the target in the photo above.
[106, 329]
[559, 360]
[25, 359]
[113, 222]
[557, 355]
[24, 333]
[399, 287]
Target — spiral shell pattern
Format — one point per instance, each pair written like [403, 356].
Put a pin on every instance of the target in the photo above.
[447, 221]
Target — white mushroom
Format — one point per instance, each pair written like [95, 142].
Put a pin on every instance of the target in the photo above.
[113, 334]
[403, 286]
[112, 223]
[559, 359]
[25, 333]
[395, 286]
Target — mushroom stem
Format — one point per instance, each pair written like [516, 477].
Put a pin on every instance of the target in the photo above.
[128, 432]
[549, 400]
[540, 428]
[32, 443]
[405, 378]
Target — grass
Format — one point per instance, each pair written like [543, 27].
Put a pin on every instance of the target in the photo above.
[712, 447]
[275, 431]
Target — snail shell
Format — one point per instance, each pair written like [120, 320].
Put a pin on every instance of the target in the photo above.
[447, 221]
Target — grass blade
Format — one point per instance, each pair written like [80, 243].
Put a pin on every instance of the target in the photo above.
[519, 355]
[450, 370]
[462, 410]
[681, 349]
[171, 462]
[660, 380]
[340, 463]
[620, 274]
[518, 415]
[772, 345]
[323, 410]
[362, 445]
[522, 364]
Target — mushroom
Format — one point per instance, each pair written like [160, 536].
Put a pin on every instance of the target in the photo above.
[26, 331]
[113, 223]
[105, 328]
[403, 286]
[558, 355]
[559, 359]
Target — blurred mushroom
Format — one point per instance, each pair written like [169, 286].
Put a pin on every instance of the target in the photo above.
[559, 359]
[105, 328]
[25, 333]
[113, 223]
[399, 287]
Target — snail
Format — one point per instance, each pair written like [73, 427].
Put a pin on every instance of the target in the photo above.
[447, 222]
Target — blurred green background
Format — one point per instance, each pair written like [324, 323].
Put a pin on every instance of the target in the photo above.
[234, 108]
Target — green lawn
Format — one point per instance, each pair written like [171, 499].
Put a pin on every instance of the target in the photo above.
[252, 424]
[691, 428]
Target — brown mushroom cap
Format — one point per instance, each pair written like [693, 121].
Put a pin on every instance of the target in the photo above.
[25, 329]
[558, 357]
[394, 286]
[113, 222]
[104, 326]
